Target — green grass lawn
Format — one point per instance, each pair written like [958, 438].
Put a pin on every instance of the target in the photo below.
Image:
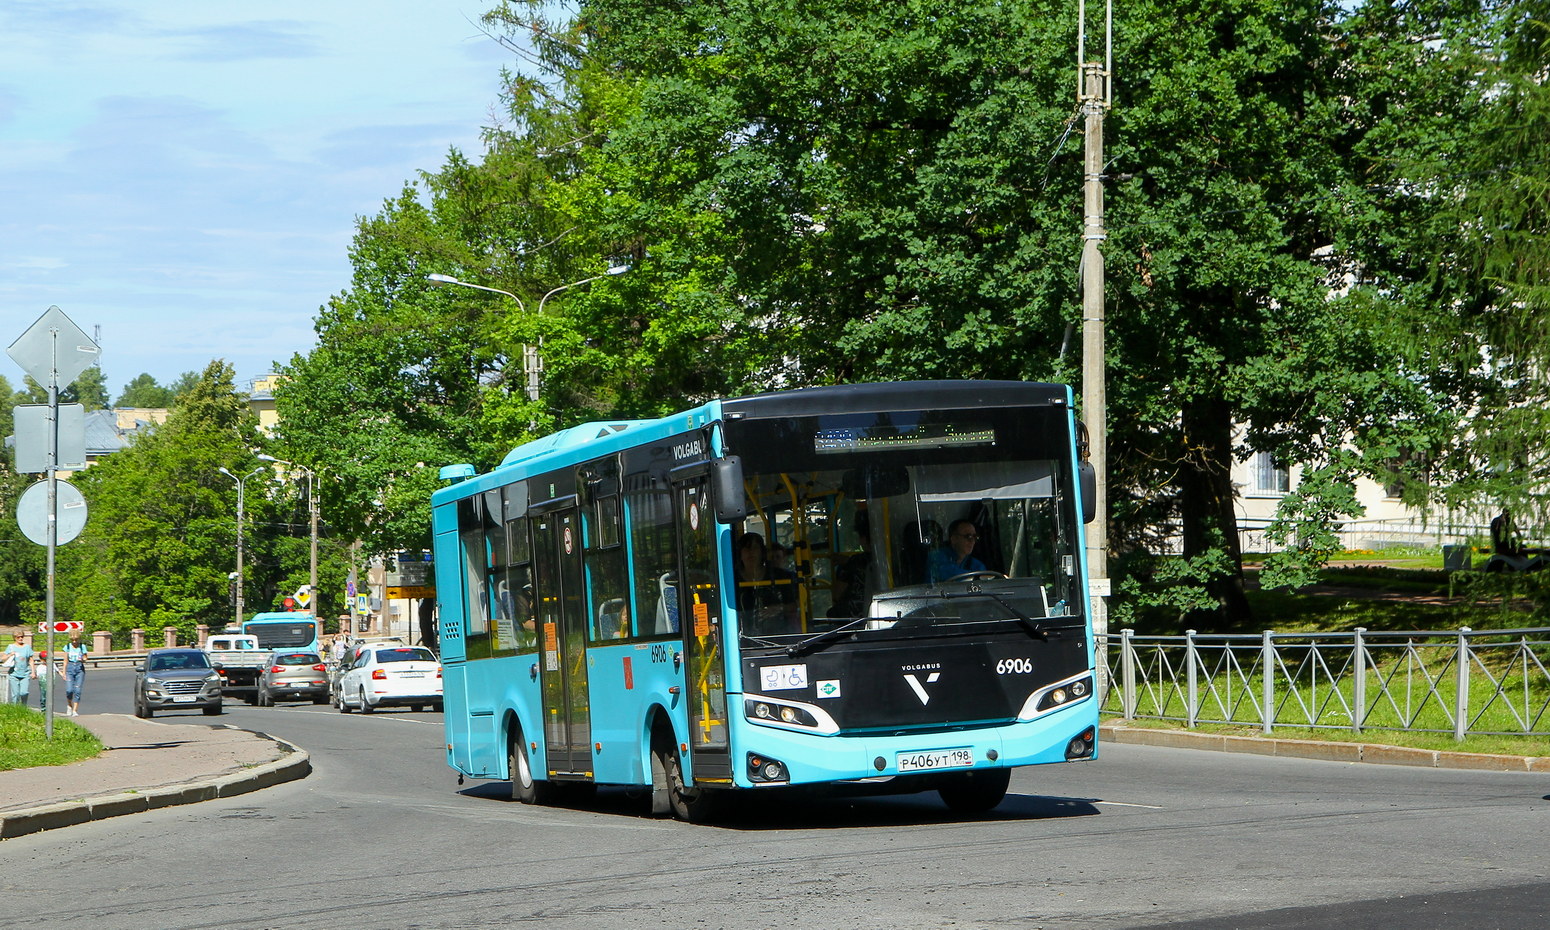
[1407, 592]
[1402, 594]
[24, 744]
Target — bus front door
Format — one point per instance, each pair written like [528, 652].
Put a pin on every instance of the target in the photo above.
[562, 639]
[699, 599]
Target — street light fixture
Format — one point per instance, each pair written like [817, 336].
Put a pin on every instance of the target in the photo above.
[532, 363]
[529, 352]
[240, 498]
[613, 270]
[312, 513]
[442, 279]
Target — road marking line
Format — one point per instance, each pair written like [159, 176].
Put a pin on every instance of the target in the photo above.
[1150, 807]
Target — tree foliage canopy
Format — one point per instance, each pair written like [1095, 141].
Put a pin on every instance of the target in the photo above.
[1326, 240]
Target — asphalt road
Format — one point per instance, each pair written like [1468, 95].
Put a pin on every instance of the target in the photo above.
[381, 836]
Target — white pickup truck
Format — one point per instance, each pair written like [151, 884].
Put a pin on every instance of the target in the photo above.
[239, 660]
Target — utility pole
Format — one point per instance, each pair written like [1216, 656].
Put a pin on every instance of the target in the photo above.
[312, 555]
[241, 494]
[1094, 94]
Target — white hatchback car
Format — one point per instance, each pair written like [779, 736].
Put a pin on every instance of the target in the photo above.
[391, 676]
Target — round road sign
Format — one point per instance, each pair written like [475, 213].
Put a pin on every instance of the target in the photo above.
[32, 512]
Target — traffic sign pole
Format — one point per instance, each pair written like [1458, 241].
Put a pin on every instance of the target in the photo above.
[52, 350]
[53, 532]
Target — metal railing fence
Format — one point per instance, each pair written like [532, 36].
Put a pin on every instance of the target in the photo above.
[1488, 682]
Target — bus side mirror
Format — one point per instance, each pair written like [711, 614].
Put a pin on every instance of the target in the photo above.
[1089, 479]
[726, 489]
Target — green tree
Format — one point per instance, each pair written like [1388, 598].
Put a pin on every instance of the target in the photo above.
[22, 568]
[393, 389]
[1484, 257]
[883, 191]
[161, 538]
[184, 385]
[88, 390]
[143, 391]
[21, 560]
[810, 194]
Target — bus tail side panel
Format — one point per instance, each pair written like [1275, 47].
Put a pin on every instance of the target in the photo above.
[449, 639]
[454, 678]
[478, 731]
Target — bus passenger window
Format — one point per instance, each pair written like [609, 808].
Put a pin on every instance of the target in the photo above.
[653, 550]
[476, 572]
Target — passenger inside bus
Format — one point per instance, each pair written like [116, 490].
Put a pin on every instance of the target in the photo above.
[766, 595]
[613, 619]
[852, 580]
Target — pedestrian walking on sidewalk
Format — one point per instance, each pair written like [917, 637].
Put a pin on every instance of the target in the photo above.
[43, 671]
[21, 671]
[75, 674]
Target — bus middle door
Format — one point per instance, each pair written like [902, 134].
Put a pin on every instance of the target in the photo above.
[562, 627]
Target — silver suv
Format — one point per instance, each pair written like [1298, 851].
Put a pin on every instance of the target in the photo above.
[176, 679]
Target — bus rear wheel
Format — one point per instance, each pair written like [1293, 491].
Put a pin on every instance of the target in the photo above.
[524, 786]
[669, 794]
[976, 792]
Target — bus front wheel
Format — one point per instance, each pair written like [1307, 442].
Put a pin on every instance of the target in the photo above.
[524, 787]
[976, 792]
[669, 794]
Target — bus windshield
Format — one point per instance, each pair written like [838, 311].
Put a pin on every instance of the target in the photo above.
[921, 526]
[301, 632]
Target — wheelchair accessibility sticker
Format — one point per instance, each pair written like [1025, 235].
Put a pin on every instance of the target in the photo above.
[782, 677]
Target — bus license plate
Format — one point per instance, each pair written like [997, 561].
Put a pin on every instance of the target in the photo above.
[933, 759]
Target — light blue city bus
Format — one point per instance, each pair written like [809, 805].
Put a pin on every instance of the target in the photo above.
[285, 629]
[875, 588]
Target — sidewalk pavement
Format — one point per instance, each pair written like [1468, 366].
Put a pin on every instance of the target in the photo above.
[147, 765]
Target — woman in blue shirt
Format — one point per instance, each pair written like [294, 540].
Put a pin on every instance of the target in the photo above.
[20, 673]
[75, 674]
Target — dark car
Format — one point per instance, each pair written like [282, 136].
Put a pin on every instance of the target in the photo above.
[293, 675]
[176, 679]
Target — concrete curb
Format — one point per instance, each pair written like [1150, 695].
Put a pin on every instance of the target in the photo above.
[295, 763]
[1372, 753]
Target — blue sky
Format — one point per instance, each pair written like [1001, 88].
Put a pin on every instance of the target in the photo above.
[187, 175]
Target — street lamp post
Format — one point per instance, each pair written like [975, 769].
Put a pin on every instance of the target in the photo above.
[613, 270]
[312, 514]
[532, 362]
[529, 352]
[241, 482]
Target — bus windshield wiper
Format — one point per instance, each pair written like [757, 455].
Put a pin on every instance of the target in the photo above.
[1029, 624]
[823, 639]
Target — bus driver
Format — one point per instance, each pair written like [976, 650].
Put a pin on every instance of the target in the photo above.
[957, 557]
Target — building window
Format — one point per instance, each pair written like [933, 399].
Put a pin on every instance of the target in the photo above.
[1270, 477]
